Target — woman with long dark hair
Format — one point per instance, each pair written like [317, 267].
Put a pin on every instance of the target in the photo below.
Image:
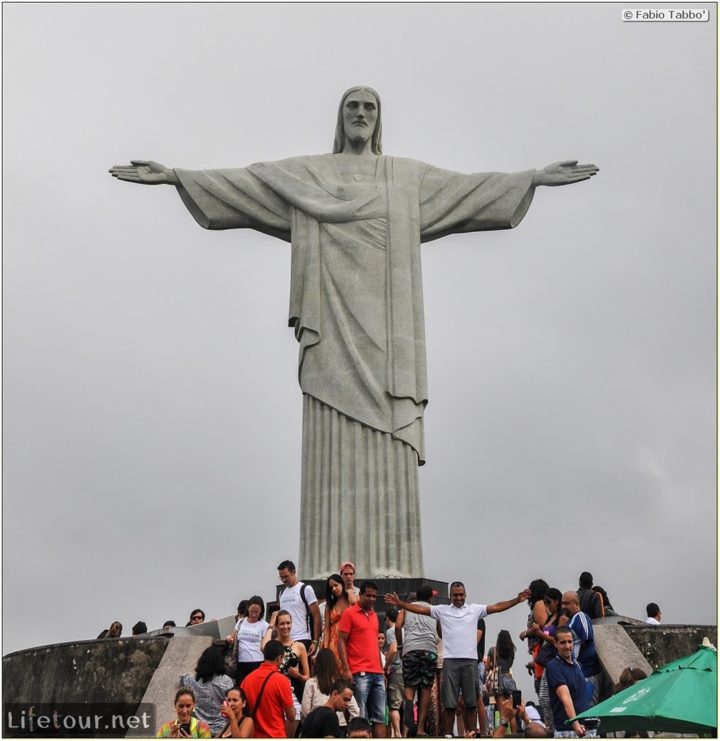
[545, 636]
[336, 602]
[319, 686]
[536, 622]
[209, 686]
[538, 609]
[607, 608]
[114, 631]
[239, 725]
[247, 637]
[500, 660]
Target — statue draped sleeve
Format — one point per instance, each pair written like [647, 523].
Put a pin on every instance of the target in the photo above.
[452, 202]
[234, 199]
[356, 299]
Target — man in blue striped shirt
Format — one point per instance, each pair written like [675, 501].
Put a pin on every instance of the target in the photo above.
[583, 641]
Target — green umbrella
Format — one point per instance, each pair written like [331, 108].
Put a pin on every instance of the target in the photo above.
[680, 697]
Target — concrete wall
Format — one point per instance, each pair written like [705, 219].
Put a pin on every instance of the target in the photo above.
[146, 670]
[114, 670]
[616, 651]
[180, 658]
[107, 673]
[622, 642]
[660, 644]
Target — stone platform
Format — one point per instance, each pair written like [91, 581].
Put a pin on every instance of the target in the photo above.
[144, 671]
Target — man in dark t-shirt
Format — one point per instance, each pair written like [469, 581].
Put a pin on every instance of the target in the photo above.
[588, 597]
[568, 688]
[323, 722]
[481, 638]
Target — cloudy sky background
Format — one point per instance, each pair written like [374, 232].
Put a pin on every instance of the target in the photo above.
[151, 410]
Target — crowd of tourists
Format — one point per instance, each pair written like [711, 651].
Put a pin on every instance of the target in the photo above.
[329, 668]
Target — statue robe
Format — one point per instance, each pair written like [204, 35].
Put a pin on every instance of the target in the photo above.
[356, 306]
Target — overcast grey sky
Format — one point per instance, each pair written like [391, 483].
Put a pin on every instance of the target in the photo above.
[151, 408]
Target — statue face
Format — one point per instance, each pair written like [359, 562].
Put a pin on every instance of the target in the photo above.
[360, 114]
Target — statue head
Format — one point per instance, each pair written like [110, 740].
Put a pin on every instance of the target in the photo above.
[340, 132]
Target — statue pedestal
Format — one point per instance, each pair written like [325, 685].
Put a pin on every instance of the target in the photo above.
[403, 587]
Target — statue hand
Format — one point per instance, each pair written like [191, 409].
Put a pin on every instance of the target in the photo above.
[145, 172]
[564, 173]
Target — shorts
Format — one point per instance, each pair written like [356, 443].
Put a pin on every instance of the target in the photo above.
[418, 668]
[457, 675]
[370, 696]
[395, 687]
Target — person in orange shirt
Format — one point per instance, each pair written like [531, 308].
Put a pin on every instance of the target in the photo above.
[360, 657]
[269, 696]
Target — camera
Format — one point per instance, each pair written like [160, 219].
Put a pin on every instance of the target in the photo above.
[292, 663]
[591, 724]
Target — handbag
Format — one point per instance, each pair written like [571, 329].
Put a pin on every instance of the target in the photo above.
[546, 653]
[491, 683]
[496, 680]
[231, 657]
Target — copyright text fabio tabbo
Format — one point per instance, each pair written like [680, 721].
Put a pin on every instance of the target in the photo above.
[666, 15]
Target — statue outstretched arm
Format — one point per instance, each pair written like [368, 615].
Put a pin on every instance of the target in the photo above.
[453, 202]
[564, 173]
[145, 172]
[217, 199]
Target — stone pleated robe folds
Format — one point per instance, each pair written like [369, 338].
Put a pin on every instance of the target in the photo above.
[356, 305]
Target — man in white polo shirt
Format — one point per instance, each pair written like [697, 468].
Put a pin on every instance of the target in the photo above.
[459, 631]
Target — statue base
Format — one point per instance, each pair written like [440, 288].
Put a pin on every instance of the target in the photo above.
[403, 587]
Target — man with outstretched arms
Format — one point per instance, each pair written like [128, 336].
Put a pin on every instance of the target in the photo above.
[459, 629]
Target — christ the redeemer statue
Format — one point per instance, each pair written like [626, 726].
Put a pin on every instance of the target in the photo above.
[355, 219]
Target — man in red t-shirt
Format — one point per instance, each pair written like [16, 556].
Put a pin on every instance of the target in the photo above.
[360, 657]
[274, 714]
